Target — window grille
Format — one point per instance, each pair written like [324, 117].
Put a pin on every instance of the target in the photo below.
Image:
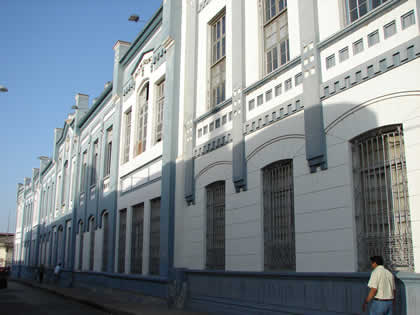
[121, 240]
[383, 220]
[154, 237]
[279, 216]
[215, 236]
[126, 153]
[105, 245]
[92, 243]
[80, 245]
[142, 106]
[67, 248]
[108, 154]
[94, 162]
[137, 239]
[59, 245]
[159, 111]
[218, 60]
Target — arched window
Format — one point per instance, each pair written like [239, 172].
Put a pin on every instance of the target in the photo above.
[279, 216]
[382, 210]
[142, 108]
[215, 234]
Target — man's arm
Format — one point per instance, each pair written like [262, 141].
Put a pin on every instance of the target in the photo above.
[370, 296]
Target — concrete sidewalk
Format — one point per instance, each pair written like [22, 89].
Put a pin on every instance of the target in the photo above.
[116, 302]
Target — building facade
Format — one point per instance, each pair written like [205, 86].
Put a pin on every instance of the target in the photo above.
[261, 145]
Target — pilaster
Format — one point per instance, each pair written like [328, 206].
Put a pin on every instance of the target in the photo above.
[190, 84]
[238, 98]
[311, 68]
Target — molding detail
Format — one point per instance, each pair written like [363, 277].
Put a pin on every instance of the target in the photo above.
[213, 144]
[273, 115]
[389, 60]
[274, 140]
[373, 101]
[210, 166]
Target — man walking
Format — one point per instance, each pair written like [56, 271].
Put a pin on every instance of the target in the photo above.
[382, 289]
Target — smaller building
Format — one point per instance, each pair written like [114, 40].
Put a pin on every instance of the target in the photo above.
[6, 249]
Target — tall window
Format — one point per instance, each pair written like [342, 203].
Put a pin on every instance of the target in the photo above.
[84, 170]
[80, 246]
[92, 242]
[105, 244]
[215, 236]
[68, 244]
[95, 156]
[154, 263]
[218, 60]
[121, 240]
[108, 152]
[160, 99]
[126, 153]
[60, 244]
[142, 108]
[137, 239]
[276, 34]
[64, 188]
[279, 217]
[358, 8]
[383, 219]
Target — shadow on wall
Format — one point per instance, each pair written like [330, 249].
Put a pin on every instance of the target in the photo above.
[234, 292]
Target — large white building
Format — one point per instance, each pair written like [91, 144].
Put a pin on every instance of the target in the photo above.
[249, 149]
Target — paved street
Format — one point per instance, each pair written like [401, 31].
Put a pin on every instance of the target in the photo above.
[19, 299]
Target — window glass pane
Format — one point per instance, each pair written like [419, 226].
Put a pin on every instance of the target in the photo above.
[268, 95]
[298, 79]
[390, 29]
[373, 38]
[344, 54]
[277, 90]
[260, 100]
[251, 104]
[407, 20]
[330, 61]
[358, 47]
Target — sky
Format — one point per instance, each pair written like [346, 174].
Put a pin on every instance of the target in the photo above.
[50, 50]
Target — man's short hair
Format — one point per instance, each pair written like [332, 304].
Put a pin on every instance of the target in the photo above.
[377, 259]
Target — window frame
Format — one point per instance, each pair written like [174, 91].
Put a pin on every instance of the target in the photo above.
[142, 120]
[158, 113]
[370, 5]
[278, 54]
[127, 135]
[108, 152]
[217, 64]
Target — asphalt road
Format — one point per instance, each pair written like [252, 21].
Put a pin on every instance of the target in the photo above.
[19, 299]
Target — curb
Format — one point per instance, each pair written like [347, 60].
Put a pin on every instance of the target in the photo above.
[113, 311]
